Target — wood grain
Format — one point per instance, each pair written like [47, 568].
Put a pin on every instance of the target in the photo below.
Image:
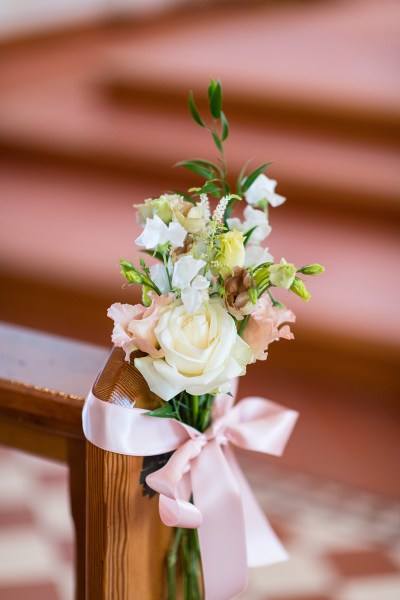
[126, 540]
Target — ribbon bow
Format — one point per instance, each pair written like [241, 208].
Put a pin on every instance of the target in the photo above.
[233, 531]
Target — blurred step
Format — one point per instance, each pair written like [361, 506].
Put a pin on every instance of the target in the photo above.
[64, 233]
[66, 120]
[297, 67]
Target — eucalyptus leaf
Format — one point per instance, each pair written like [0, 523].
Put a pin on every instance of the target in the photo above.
[217, 141]
[216, 101]
[225, 127]
[248, 234]
[194, 111]
[211, 89]
[239, 188]
[211, 188]
[203, 163]
[196, 168]
[253, 176]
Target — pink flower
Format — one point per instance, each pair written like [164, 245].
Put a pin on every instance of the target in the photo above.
[264, 327]
[134, 325]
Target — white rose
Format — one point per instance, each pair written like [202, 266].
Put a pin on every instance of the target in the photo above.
[203, 352]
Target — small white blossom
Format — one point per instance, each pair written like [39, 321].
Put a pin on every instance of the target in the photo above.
[205, 203]
[194, 295]
[185, 270]
[256, 255]
[219, 212]
[193, 286]
[261, 189]
[157, 233]
[252, 218]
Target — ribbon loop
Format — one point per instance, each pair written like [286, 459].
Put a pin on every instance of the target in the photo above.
[233, 531]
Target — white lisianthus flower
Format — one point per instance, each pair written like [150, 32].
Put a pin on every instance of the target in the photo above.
[160, 278]
[282, 274]
[185, 277]
[263, 189]
[157, 233]
[256, 255]
[202, 352]
[252, 218]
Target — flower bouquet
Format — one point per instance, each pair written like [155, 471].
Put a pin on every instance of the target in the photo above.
[208, 311]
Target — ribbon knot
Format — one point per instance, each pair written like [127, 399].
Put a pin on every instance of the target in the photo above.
[203, 467]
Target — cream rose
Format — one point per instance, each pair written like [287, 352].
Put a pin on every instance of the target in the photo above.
[202, 352]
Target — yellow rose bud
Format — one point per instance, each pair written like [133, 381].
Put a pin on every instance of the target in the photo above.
[282, 275]
[232, 249]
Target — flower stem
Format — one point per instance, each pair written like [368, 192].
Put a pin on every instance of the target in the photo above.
[171, 564]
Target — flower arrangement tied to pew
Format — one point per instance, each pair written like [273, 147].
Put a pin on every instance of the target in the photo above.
[208, 311]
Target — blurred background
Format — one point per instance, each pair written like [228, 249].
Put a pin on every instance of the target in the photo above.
[93, 114]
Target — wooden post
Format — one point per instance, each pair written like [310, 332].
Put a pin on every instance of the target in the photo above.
[126, 540]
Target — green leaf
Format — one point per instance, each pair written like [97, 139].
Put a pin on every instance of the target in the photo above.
[216, 100]
[248, 234]
[194, 111]
[253, 176]
[196, 168]
[211, 89]
[154, 254]
[166, 412]
[239, 187]
[210, 188]
[225, 127]
[217, 141]
[204, 163]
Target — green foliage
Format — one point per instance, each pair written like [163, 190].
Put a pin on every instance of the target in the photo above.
[215, 98]
[197, 167]
[248, 234]
[225, 127]
[250, 179]
[194, 111]
[167, 411]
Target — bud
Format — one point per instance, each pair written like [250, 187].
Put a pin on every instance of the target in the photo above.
[130, 273]
[282, 275]
[314, 269]
[146, 300]
[253, 295]
[299, 288]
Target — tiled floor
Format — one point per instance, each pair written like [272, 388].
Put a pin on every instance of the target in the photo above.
[344, 543]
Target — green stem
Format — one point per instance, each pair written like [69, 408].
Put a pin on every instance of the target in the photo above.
[243, 324]
[195, 410]
[171, 564]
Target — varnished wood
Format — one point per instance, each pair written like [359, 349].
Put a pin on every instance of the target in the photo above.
[121, 542]
[21, 436]
[76, 457]
[126, 541]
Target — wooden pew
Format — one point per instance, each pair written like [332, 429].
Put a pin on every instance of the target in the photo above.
[120, 541]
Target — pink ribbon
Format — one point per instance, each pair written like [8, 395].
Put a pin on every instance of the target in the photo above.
[233, 531]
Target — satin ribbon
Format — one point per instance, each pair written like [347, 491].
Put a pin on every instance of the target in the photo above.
[233, 531]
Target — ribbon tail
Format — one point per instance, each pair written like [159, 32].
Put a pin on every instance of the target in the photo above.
[173, 484]
[222, 533]
[263, 545]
